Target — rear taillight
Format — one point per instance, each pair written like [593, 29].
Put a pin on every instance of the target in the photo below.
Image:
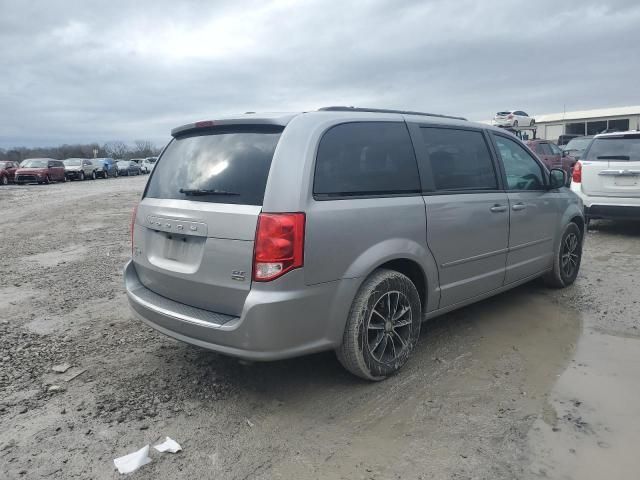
[509, 116]
[576, 176]
[279, 245]
[133, 221]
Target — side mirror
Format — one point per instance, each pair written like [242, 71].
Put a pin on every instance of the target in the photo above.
[557, 178]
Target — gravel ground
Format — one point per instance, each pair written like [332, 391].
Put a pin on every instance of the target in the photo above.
[512, 387]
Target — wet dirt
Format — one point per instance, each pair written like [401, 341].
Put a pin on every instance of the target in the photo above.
[533, 383]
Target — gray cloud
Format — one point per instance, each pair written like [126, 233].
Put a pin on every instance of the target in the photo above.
[76, 71]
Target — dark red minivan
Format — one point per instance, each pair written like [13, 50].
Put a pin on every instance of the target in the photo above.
[551, 155]
[40, 170]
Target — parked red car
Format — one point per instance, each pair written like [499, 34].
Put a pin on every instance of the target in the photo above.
[7, 171]
[40, 170]
[551, 155]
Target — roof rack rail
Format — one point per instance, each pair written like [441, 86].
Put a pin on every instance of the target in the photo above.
[382, 110]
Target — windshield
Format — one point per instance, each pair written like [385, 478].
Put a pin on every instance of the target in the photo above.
[578, 144]
[73, 162]
[4, 164]
[227, 165]
[123, 164]
[615, 148]
[35, 164]
[151, 159]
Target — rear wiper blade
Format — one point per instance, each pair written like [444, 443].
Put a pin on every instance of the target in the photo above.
[614, 157]
[203, 191]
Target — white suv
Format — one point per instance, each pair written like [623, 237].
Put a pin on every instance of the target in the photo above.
[607, 177]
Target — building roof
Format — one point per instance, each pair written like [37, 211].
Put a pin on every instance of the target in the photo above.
[584, 114]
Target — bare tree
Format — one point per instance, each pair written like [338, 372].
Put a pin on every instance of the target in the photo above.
[143, 148]
[116, 149]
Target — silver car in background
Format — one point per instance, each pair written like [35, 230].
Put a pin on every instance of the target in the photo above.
[271, 236]
[80, 169]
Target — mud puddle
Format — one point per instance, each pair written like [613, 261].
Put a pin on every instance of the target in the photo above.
[597, 414]
[484, 369]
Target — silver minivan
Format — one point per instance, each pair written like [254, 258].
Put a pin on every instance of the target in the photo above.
[272, 236]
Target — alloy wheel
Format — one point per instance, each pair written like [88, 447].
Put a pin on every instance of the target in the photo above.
[570, 254]
[389, 327]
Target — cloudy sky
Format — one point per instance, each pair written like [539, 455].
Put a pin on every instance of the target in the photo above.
[82, 71]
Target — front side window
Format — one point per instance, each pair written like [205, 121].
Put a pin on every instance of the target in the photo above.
[554, 149]
[457, 160]
[522, 170]
[366, 158]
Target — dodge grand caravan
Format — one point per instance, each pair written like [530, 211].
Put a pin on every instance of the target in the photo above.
[272, 236]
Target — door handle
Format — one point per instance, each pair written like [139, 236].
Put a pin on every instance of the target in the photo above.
[518, 206]
[498, 208]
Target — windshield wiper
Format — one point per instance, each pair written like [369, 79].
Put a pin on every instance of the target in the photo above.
[614, 157]
[203, 191]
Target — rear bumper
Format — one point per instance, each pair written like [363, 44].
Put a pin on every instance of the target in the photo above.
[274, 324]
[613, 211]
[608, 207]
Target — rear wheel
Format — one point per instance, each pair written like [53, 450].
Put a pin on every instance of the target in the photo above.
[4, 180]
[93, 175]
[566, 264]
[81, 175]
[383, 326]
[47, 180]
[515, 123]
[533, 122]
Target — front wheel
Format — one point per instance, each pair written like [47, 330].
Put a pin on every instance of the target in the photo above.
[532, 123]
[4, 180]
[515, 123]
[81, 175]
[566, 263]
[47, 180]
[93, 175]
[383, 326]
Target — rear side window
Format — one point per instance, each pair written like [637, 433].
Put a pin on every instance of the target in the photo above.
[618, 149]
[221, 165]
[366, 158]
[458, 160]
[544, 149]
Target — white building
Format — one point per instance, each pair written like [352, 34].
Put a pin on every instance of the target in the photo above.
[587, 122]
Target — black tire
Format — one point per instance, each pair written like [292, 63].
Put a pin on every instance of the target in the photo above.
[81, 177]
[115, 175]
[533, 122]
[566, 261]
[371, 337]
[4, 180]
[93, 175]
[47, 180]
[515, 123]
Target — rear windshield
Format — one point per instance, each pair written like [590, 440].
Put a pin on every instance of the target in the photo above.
[223, 165]
[73, 162]
[617, 149]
